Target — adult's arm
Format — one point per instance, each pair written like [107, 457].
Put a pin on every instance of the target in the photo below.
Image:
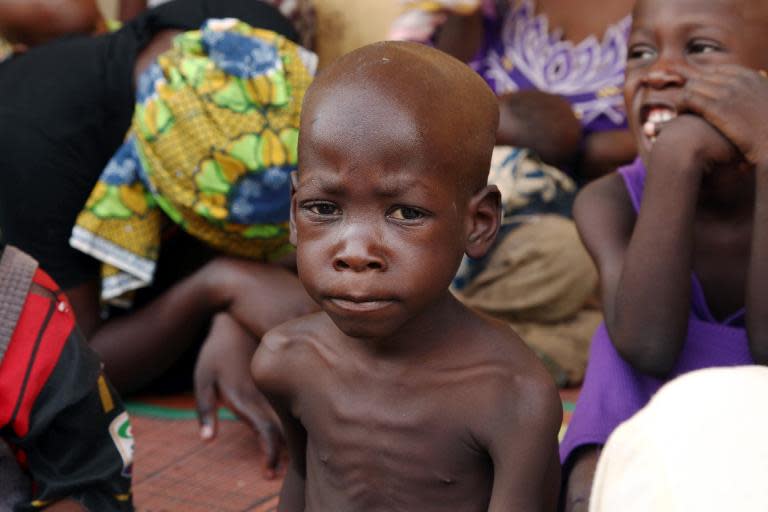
[258, 295]
[542, 122]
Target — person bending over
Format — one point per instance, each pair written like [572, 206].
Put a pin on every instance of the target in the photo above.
[155, 161]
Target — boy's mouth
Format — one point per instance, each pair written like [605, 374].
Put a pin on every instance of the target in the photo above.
[653, 117]
[360, 304]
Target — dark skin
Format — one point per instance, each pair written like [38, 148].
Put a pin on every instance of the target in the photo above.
[245, 298]
[128, 9]
[704, 208]
[599, 153]
[396, 396]
[27, 23]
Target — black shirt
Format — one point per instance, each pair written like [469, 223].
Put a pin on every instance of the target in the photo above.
[65, 108]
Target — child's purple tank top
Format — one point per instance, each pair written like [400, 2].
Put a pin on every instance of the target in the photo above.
[613, 390]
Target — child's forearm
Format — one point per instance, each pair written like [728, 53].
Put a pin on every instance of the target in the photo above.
[757, 284]
[649, 320]
[151, 338]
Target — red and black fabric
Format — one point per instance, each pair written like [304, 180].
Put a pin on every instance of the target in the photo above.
[59, 413]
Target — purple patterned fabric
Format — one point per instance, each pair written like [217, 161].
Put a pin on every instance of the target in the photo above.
[613, 391]
[519, 52]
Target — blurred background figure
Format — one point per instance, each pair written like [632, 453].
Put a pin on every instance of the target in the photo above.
[557, 67]
[300, 12]
[142, 134]
[25, 23]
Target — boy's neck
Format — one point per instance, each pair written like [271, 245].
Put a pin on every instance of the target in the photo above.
[419, 338]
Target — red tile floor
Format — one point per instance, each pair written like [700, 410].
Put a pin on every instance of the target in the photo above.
[176, 472]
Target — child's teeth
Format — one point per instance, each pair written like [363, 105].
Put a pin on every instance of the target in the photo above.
[649, 128]
[660, 116]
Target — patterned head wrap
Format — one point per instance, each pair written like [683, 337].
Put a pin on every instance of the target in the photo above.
[211, 146]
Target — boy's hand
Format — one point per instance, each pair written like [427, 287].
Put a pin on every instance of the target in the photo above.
[734, 99]
[690, 143]
[223, 374]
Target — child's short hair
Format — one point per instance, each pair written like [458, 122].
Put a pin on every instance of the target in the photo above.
[453, 101]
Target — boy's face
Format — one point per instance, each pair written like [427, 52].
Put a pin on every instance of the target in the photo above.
[379, 219]
[671, 39]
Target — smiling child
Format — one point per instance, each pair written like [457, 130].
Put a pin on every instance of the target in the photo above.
[680, 237]
[396, 396]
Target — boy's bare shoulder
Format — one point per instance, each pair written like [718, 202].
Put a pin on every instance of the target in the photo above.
[289, 351]
[519, 389]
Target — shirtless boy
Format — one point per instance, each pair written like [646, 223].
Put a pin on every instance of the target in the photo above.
[396, 396]
[680, 237]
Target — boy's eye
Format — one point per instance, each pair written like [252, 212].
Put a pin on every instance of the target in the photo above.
[406, 213]
[703, 47]
[640, 52]
[322, 208]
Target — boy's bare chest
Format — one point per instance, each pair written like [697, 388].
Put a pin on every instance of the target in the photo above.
[375, 442]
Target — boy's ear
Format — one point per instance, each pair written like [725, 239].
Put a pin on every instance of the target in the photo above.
[292, 221]
[484, 214]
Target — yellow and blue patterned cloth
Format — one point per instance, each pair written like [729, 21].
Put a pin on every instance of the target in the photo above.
[211, 147]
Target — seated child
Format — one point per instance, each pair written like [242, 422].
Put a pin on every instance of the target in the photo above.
[396, 396]
[680, 237]
[57, 411]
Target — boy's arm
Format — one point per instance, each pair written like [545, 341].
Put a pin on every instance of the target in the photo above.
[259, 296]
[735, 100]
[645, 265]
[273, 363]
[520, 434]
[292, 492]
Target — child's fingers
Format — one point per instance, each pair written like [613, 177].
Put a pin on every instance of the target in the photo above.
[252, 408]
[206, 400]
[734, 99]
[702, 97]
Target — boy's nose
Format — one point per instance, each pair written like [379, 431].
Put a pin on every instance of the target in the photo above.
[663, 76]
[358, 256]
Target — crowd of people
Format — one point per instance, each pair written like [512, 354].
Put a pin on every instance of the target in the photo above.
[389, 268]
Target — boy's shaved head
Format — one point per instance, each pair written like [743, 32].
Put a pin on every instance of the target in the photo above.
[400, 96]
